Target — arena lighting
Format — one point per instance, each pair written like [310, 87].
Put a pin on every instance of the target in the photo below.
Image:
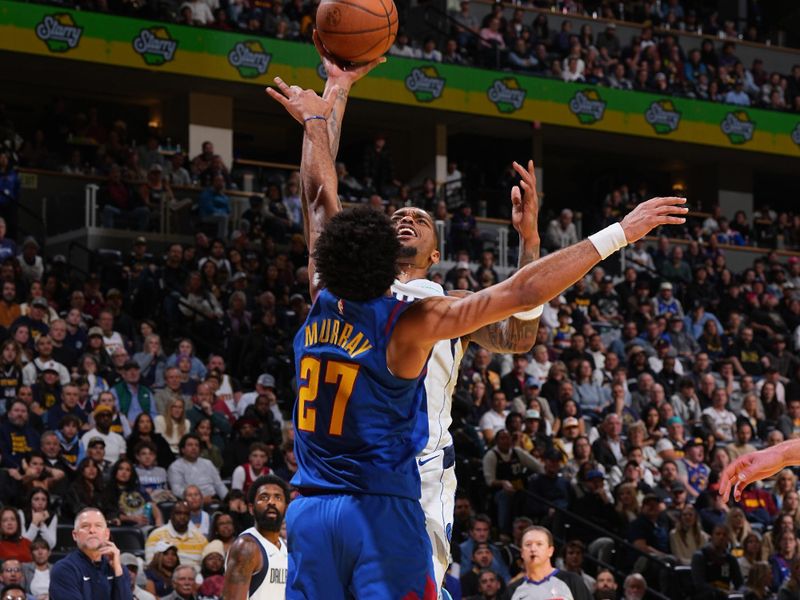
[154, 124]
[679, 188]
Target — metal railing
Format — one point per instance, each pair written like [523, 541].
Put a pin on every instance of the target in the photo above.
[618, 541]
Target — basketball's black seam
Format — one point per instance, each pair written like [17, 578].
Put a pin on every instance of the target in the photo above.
[326, 32]
[358, 6]
[389, 24]
[367, 50]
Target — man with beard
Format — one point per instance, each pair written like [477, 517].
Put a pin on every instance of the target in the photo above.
[258, 560]
[94, 570]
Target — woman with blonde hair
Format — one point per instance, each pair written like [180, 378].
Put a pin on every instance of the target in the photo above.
[687, 537]
[173, 424]
[753, 553]
[785, 482]
[152, 361]
[739, 528]
[627, 505]
[790, 506]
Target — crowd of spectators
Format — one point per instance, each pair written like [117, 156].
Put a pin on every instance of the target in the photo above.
[653, 61]
[523, 41]
[166, 377]
[640, 389]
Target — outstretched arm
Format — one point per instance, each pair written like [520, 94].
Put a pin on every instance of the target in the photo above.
[433, 319]
[756, 466]
[513, 334]
[244, 560]
[318, 183]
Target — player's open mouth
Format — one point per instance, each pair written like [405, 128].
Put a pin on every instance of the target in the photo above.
[404, 231]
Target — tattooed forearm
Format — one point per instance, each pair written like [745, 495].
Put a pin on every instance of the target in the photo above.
[508, 335]
[335, 121]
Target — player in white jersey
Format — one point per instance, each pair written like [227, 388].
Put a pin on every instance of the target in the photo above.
[436, 460]
[258, 560]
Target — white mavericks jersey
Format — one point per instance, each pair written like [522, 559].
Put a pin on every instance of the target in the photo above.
[441, 376]
[270, 582]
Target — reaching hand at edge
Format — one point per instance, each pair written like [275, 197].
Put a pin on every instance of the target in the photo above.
[753, 467]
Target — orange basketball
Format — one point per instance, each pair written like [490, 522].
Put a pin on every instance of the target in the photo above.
[357, 30]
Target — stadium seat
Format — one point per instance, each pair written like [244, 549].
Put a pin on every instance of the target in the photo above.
[166, 509]
[128, 539]
[64, 539]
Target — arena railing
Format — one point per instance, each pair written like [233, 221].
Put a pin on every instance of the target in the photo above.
[59, 195]
[568, 517]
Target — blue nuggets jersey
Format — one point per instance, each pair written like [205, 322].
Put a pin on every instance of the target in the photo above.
[354, 421]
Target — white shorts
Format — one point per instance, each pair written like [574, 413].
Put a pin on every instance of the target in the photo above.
[438, 476]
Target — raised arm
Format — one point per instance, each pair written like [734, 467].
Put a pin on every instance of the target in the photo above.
[244, 559]
[343, 78]
[433, 319]
[319, 188]
[318, 207]
[517, 334]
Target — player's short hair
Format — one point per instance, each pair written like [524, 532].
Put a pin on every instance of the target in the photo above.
[267, 480]
[356, 254]
[544, 530]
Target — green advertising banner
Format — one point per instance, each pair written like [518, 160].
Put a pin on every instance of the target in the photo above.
[199, 52]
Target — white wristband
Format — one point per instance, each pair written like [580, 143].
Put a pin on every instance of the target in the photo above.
[609, 240]
[529, 315]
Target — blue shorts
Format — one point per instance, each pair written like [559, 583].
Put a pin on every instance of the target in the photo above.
[358, 546]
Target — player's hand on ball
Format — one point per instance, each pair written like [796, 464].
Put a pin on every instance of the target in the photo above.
[651, 214]
[344, 75]
[303, 104]
[748, 469]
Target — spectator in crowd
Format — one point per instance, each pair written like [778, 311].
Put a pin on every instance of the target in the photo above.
[190, 468]
[188, 540]
[113, 443]
[214, 206]
[10, 184]
[715, 572]
[561, 232]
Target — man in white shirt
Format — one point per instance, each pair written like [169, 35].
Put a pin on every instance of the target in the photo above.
[718, 419]
[561, 232]
[265, 385]
[494, 420]
[539, 367]
[44, 362]
[191, 469]
[114, 443]
[226, 391]
[112, 340]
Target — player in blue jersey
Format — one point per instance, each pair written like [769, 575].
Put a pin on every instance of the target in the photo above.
[436, 453]
[358, 529]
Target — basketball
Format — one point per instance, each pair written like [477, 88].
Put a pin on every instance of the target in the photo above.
[357, 30]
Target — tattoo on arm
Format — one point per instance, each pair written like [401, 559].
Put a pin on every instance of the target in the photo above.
[243, 561]
[335, 122]
[511, 335]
